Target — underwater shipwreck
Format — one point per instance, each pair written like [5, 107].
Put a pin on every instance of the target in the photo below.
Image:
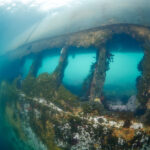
[83, 90]
[88, 112]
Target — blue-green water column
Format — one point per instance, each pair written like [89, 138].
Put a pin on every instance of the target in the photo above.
[49, 64]
[78, 69]
[122, 75]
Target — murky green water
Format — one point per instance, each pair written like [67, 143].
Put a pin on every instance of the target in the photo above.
[26, 67]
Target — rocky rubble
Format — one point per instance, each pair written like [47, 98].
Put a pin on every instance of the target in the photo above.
[130, 106]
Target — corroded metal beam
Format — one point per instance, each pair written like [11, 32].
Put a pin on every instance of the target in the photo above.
[87, 38]
[59, 72]
[99, 76]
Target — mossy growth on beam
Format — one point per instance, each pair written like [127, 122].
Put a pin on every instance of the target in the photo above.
[143, 82]
[99, 75]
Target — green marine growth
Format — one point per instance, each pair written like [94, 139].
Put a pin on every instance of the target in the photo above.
[143, 82]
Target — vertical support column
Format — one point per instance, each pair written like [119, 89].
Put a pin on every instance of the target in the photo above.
[59, 72]
[36, 65]
[143, 82]
[99, 76]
